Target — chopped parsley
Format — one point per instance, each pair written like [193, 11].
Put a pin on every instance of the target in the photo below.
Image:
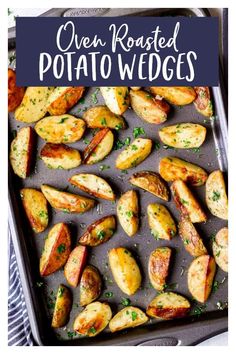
[92, 330]
[104, 167]
[129, 214]
[109, 294]
[71, 334]
[119, 126]
[215, 286]
[103, 121]
[61, 291]
[125, 301]
[94, 98]
[61, 248]
[134, 315]
[62, 120]
[157, 145]
[215, 196]
[134, 147]
[101, 234]
[138, 131]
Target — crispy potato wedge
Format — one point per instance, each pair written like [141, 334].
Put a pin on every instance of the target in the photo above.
[173, 168]
[176, 95]
[134, 154]
[67, 202]
[21, 152]
[203, 101]
[75, 265]
[183, 135]
[148, 108]
[168, 305]
[60, 156]
[220, 249]
[101, 117]
[62, 307]
[90, 285]
[60, 129]
[125, 270]
[116, 98]
[99, 231]
[216, 197]
[35, 205]
[200, 277]
[128, 317]
[127, 212]
[63, 98]
[99, 147]
[93, 185]
[15, 93]
[158, 267]
[56, 249]
[161, 222]
[34, 104]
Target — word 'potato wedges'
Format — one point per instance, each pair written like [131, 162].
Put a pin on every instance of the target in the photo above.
[127, 211]
[128, 317]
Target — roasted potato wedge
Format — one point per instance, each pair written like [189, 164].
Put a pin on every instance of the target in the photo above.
[183, 135]
[99, 147]
[168, 305]
[102, 117]
[216, 197]
[21, 152]
[75, 265]
[128, 317]
[136, 88]
[15, 93]
[125, 270]
[203, 101]
[67, 202]
[127, 211]
[134, 154]
[220, 249]
[173, 168]
[116, 98]
[93, 185]
[99, 231]
[56, 249]
[158, 267]
[35, 205]
[62, 307]
[176, 95]
[60, 129]
[60, 156]
[90, 285]
[63, 98]
[161, 222]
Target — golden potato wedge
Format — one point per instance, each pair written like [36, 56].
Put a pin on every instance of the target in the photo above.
[151, 182]
[60, 156]
[200, 277]
[216, 197]
[101, 117]
[128, 317]
[34, 104]
[177, 95]
[127, 212]
[62, 307]
[203, 101]
[168, 305]
[99, 147]
[135, 88]
[15, 93]
[220, 249]
[63, 98]
[75, 265]
[67, 202]
[125, 270]
[183, 135]
[93, 319]
[99, 231]
[21, 152]
[56, 249]
[60, 129]
[116, 98]
[173, 168]
[161, 222]
[134, 154]
[90, 285]
[93, 185]
[148, 108]
[35, 205]
[158, 267]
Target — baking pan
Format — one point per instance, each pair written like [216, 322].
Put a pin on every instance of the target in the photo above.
[204, 321]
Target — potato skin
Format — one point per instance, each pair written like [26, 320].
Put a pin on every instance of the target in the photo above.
[128, 317]
[15, 93]
[60, 156]
[158, 267]
[203, 101]
[63, 98]
[75, 265]
[116, 98]
[176, 95]
[134, 154]
[99, 147]
[99, 231]
[101, 117]
[127, 212]
[216, 197]
[62, 307]
[220, 249]
[161, 222]
[90, 285]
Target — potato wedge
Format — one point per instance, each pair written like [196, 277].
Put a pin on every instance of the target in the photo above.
[220, 249]
[200, 277]
[99, 147]
[173, 168]
[21, 152]
[158, 267]
[125, 270]
[177, 95]
[93, 185]
[203, 101]
[127, 212]
[34, 104]
[63, 98]
[90, 285]
[62, 307]
[66, 202]
[99, 231]
[35, 205]
[148, 108]
[135, 88]
[116, 98]
[183, 135]
[60, 156]
[128, 317]
[216, 197]
[134, 154]
[161, 222]
[93, 319]
[60, 129]
[168, 305]
[75, 265]
[56, 249]
[15, 93]
[101, 117]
